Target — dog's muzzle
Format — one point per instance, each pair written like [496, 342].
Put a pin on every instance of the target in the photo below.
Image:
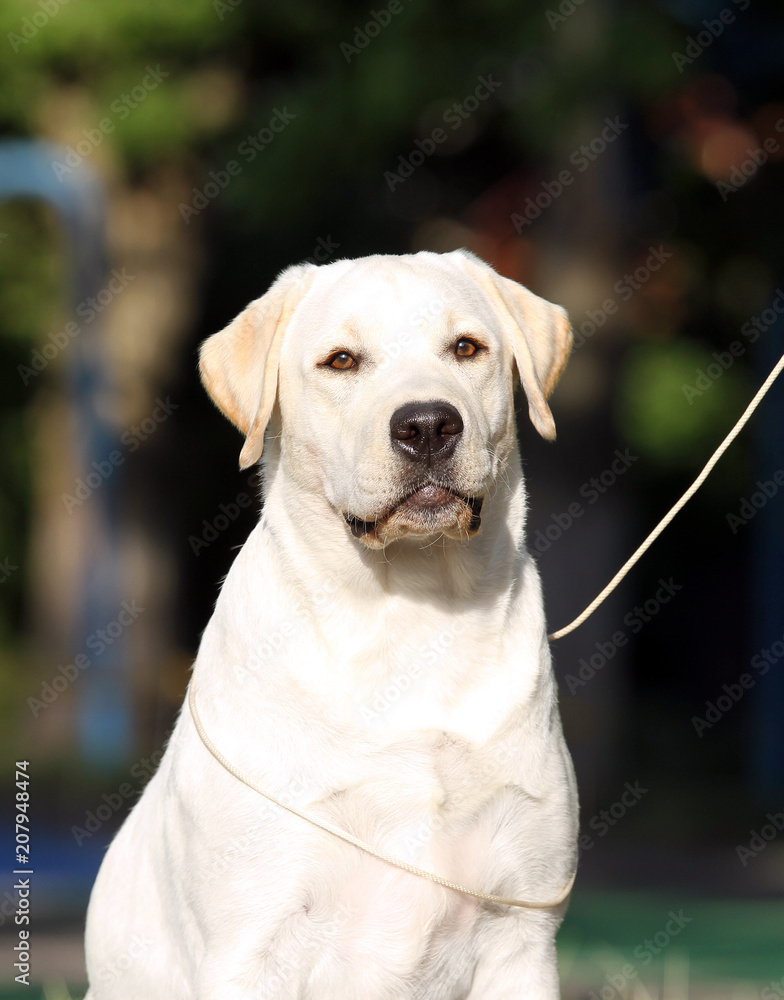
[424, 436]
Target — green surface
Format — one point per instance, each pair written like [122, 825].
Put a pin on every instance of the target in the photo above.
[725, 941]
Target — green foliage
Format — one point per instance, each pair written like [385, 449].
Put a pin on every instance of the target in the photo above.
[672, 415]
[106, 49]
[31, 274]
[352, 109]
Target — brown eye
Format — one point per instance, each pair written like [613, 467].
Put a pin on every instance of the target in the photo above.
[341, 361]
[466, 348]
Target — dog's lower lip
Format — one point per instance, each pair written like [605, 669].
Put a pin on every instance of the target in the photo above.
[430, 495]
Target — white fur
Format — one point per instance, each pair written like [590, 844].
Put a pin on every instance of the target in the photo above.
[403, 693]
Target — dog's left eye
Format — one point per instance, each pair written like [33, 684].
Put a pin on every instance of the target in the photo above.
[466, 348]
[341, 361]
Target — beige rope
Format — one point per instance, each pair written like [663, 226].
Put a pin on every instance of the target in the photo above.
[681, 503]
[350, 839]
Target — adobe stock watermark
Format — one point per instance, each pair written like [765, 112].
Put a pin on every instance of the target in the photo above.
[227, 514]
[581, 158]
[112, 802]
[724, 360]
[250, 147]
[565, 10]
[732, 694]
[9, 907]
[742, 172]
[280, 971]
[712, 29]
[137, 948]
[591, 490]
[315, 602]
[624, 289]
[410, 333]
[97, 643]
[774, 990]
[364, 34]
[454, 117]
[751, 506]
[759, 839]
[616, 985]
[397, 686]
[634, 620]
[224, 7]
[121, 107]
[88, 310]
[7, 569]
[603, 821]
[323, 251]
[296, 795]
[131, 440]
[30, 26]
[491, 769]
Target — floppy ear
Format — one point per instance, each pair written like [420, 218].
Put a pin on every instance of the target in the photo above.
[239, 365]
[540, 335]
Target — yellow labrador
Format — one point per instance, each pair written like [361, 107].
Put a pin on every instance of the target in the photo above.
[377, 658]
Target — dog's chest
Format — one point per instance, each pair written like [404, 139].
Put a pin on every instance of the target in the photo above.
[431, 803]
[427, 806]
[395, 674]
[340, 916]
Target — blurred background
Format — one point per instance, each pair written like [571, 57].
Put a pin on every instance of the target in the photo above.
[162, 162]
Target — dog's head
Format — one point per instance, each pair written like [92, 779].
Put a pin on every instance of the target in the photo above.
[394, 379]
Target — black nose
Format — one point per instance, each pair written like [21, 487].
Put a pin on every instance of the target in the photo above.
[426, 432]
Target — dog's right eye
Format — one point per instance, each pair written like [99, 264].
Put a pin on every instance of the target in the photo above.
[340, 361]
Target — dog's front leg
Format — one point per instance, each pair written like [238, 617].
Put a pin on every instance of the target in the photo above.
[216, 984]
[518, 959]
[244, 965]
[226, 977]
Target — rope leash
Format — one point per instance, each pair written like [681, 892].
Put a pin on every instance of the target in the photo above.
[349, 838]
[678, 506]
[420, 872]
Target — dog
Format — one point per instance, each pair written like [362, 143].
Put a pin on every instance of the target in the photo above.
[377, 660]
